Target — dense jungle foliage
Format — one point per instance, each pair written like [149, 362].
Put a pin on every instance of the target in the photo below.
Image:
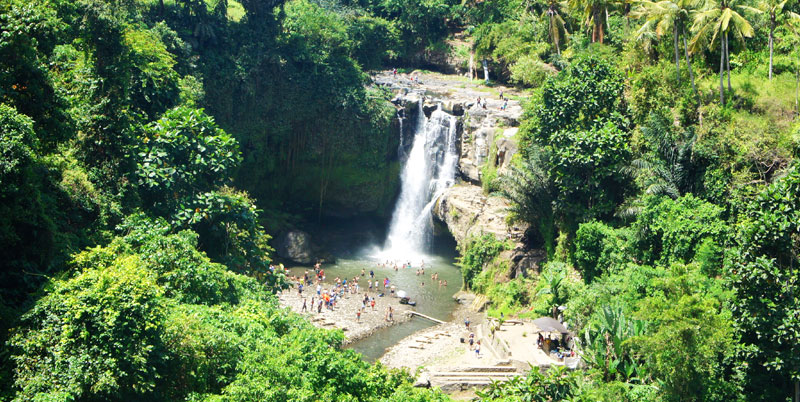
[145, 145]
[658, 169]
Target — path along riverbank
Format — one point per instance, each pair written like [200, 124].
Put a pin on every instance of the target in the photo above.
[440, 347]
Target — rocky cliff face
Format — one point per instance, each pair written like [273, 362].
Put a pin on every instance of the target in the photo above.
[487, 142]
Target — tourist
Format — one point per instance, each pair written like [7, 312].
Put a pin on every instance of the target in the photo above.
[363, 272]
[445, 282]
[305, 306]
[478, 350]
[372, 302]
[391, 314]
[466, 323]
[501, 95]
[300, 289]
[371, 274]
[394, 72]
[319, 306]
[471, 341]
[358, 315]
[319, 289]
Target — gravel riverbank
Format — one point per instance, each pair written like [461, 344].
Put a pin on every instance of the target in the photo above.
[343, 316]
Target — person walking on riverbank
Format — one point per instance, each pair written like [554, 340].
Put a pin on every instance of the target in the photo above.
[305, 306]
[358, 315]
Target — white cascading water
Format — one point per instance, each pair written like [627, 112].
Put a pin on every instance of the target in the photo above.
[429, 170]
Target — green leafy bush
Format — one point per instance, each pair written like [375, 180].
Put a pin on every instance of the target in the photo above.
[476, 253]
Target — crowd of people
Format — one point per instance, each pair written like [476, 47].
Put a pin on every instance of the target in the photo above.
[364, 286]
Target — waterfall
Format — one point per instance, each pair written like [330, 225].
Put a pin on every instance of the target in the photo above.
[429, 170]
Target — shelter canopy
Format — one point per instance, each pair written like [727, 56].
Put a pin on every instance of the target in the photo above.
[547, 324]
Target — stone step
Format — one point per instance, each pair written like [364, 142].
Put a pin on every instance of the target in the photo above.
[491, 368]
[467, 374]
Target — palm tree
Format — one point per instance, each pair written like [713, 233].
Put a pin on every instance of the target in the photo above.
[719, 20]
[669, 15]
[777, 12]
[595, 12]
[530, 189]
[557, 24]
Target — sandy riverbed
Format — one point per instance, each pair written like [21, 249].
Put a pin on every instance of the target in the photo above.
[343, 316]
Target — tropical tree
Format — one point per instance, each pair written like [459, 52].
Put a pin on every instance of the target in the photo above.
[595, 13]
[717, 21]
[557, 24]
[605, 346]
[530, 189]
[669, 15]
[778, 13]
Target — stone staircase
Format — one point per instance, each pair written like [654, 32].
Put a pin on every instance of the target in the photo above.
[470, 377]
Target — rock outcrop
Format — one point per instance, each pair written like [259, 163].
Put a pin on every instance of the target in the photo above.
[468, 212]
[488, 139]
[295, 245]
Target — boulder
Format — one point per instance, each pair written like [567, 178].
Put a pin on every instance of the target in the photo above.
[295, 245]
[428, 108]
[524, 261]
[423, 381]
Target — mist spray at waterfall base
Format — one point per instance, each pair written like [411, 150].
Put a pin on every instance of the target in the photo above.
[429, 170]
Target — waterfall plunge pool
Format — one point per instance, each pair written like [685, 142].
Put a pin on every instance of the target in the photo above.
[431, 299]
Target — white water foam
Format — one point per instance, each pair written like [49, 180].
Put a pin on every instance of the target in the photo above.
[429, 170]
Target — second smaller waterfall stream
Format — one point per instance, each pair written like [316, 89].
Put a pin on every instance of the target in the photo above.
[429, 170]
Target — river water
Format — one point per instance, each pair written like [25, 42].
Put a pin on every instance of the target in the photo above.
[432, 299]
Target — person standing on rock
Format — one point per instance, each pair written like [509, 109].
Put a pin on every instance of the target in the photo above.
[358, 315]
[305, 306]
[372, 302]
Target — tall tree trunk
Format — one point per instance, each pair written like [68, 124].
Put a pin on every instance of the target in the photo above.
[771, 40]
[486, 71]
[554, 35]
[472, 73]
[728, 61]
[797, 91]
[796, 391]
[677, 58]
[600, 33]
[721, 70]
[688, 61]
[161, 3]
